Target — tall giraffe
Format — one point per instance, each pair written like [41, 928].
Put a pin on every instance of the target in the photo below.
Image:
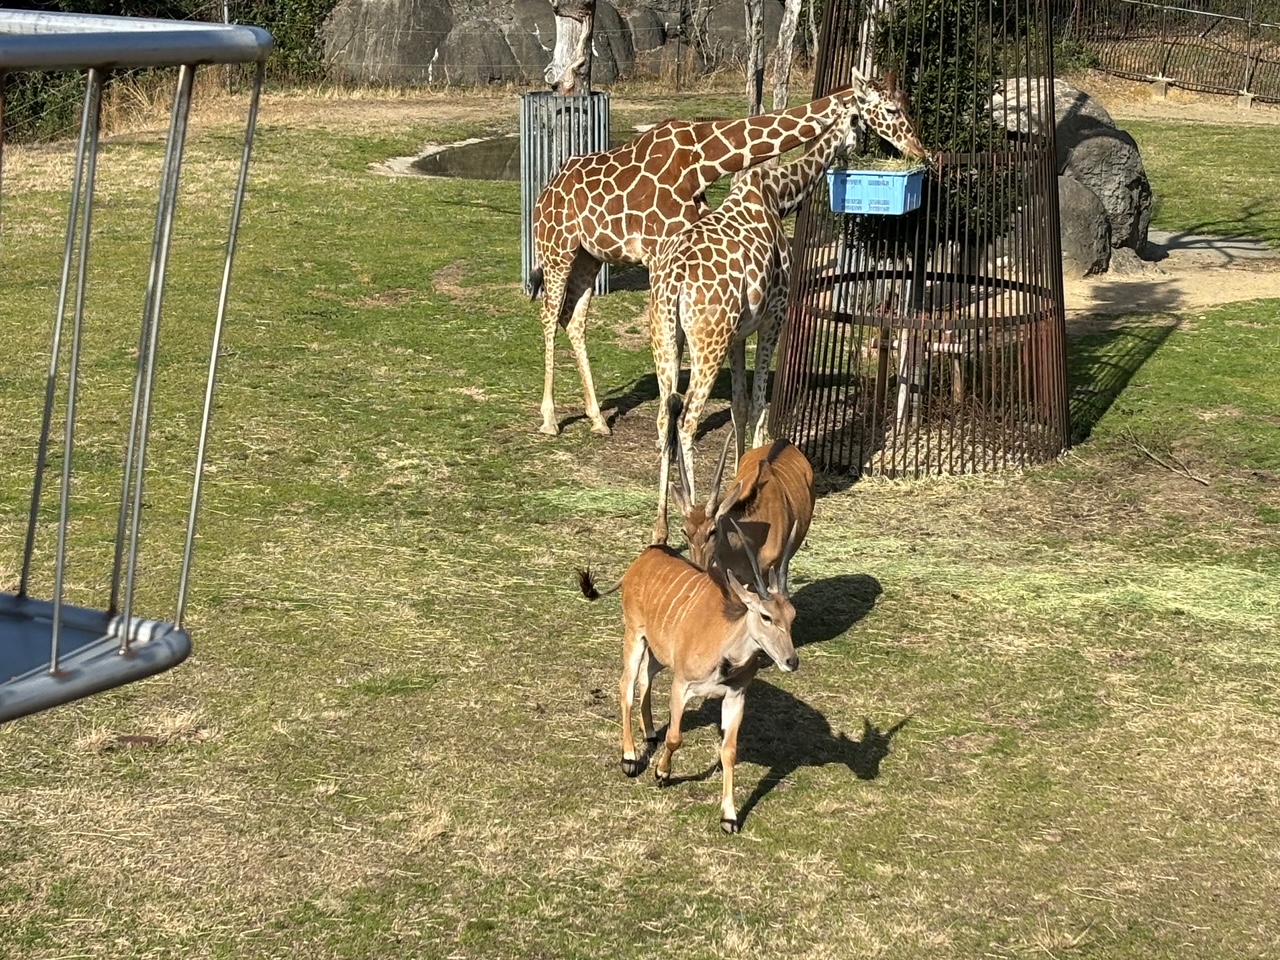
[613, 207]
[726, 277]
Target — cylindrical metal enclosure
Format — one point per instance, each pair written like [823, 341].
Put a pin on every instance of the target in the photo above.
[554, 128]
[933, 342]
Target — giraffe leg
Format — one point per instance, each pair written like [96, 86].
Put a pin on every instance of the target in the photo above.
[555, 278]
[702, 377]
[582, 280]
[738, 367]
[666, 362]
[766, 343]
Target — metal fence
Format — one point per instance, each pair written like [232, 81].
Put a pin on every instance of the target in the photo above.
[53, 651]
[1222, 46]
[934, 342]
[554, 128]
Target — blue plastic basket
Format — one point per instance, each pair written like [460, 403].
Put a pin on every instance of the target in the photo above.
[875, 191]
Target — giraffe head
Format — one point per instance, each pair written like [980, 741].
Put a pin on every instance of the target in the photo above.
[884, 109]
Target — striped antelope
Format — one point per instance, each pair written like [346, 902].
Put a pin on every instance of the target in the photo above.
[709, 629]
[770, 506]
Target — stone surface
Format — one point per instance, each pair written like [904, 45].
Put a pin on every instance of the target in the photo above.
[1090, 150]
[1108, 163]
[497, 41]
[1086, 234]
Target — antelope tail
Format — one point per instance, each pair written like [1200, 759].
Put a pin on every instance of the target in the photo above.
[587, 584]
[535, 283]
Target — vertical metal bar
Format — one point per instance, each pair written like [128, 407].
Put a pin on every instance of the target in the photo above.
[51, 382]
[223, 294]
[145, 333]
[178, 131]
[89, 132]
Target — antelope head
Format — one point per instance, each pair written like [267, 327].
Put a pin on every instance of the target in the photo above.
[702, 520]
[769, 612]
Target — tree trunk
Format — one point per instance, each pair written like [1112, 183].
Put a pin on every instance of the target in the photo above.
[569, 72]
[755, 56]
[782, 55]
[813, 33]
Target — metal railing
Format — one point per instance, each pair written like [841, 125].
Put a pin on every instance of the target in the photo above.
[554, 128]
[51, 651]
[1220, 46]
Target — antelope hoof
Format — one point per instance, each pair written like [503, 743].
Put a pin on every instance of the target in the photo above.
[632, 768]
[730, 825]
[601, 429]
[550, 428]
[662, 776]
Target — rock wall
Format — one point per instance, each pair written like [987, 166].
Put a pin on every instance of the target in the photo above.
[492, 41]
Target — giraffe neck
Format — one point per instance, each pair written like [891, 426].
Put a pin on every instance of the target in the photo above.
[791, 182]
[729, 146]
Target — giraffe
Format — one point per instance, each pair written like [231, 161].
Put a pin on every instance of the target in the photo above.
[726, 277]
[614, 206]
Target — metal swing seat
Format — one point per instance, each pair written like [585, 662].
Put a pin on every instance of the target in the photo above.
[52, 651]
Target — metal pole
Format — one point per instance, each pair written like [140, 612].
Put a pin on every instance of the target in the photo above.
[42, 448]
[89, 131]
[233, 232]
[178, 132]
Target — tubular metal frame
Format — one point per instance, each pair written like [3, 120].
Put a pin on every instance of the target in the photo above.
[554, 128]
[90, 650]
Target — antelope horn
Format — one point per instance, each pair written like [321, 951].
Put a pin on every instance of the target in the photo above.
[891, 81]
[787, 549]
[762, 588]
[715, 484]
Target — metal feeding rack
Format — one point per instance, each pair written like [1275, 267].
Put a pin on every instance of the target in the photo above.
[933, 341]
[52, 651]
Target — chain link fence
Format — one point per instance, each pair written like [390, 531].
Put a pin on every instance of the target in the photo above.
[1223, 46]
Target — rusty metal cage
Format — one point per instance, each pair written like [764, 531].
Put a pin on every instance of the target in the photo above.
[933, 341]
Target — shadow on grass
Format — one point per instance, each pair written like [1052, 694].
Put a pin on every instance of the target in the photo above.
[1100, 365]
[783, 733]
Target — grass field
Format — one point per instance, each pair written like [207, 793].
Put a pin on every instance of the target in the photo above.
[1036, 715]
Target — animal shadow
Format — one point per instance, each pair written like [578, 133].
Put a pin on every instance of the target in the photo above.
[783, 734]
[827, 608]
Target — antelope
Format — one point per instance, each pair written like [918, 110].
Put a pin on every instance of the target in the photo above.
[770, 506]
[709, 629]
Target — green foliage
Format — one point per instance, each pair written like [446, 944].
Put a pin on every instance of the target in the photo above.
[949, 98]
[295, 25]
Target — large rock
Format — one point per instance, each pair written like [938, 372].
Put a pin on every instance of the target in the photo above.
[1108, 163]
[1090, 150]
[483, 41]
[1086, 234]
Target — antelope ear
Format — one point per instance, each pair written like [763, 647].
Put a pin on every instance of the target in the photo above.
[727, 503]
[739, 591]
[682, 503]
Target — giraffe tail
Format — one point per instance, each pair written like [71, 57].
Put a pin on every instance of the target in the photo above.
[535, 283]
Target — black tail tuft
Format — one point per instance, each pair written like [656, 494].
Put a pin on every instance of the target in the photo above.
[587, 584]
[535, 283]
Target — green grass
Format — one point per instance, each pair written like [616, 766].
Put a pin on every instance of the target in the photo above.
[1212, 179]
[398, 733]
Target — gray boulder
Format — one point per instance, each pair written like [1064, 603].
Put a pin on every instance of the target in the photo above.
[1108, 163]
[1086, 234]
[1091, 150]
